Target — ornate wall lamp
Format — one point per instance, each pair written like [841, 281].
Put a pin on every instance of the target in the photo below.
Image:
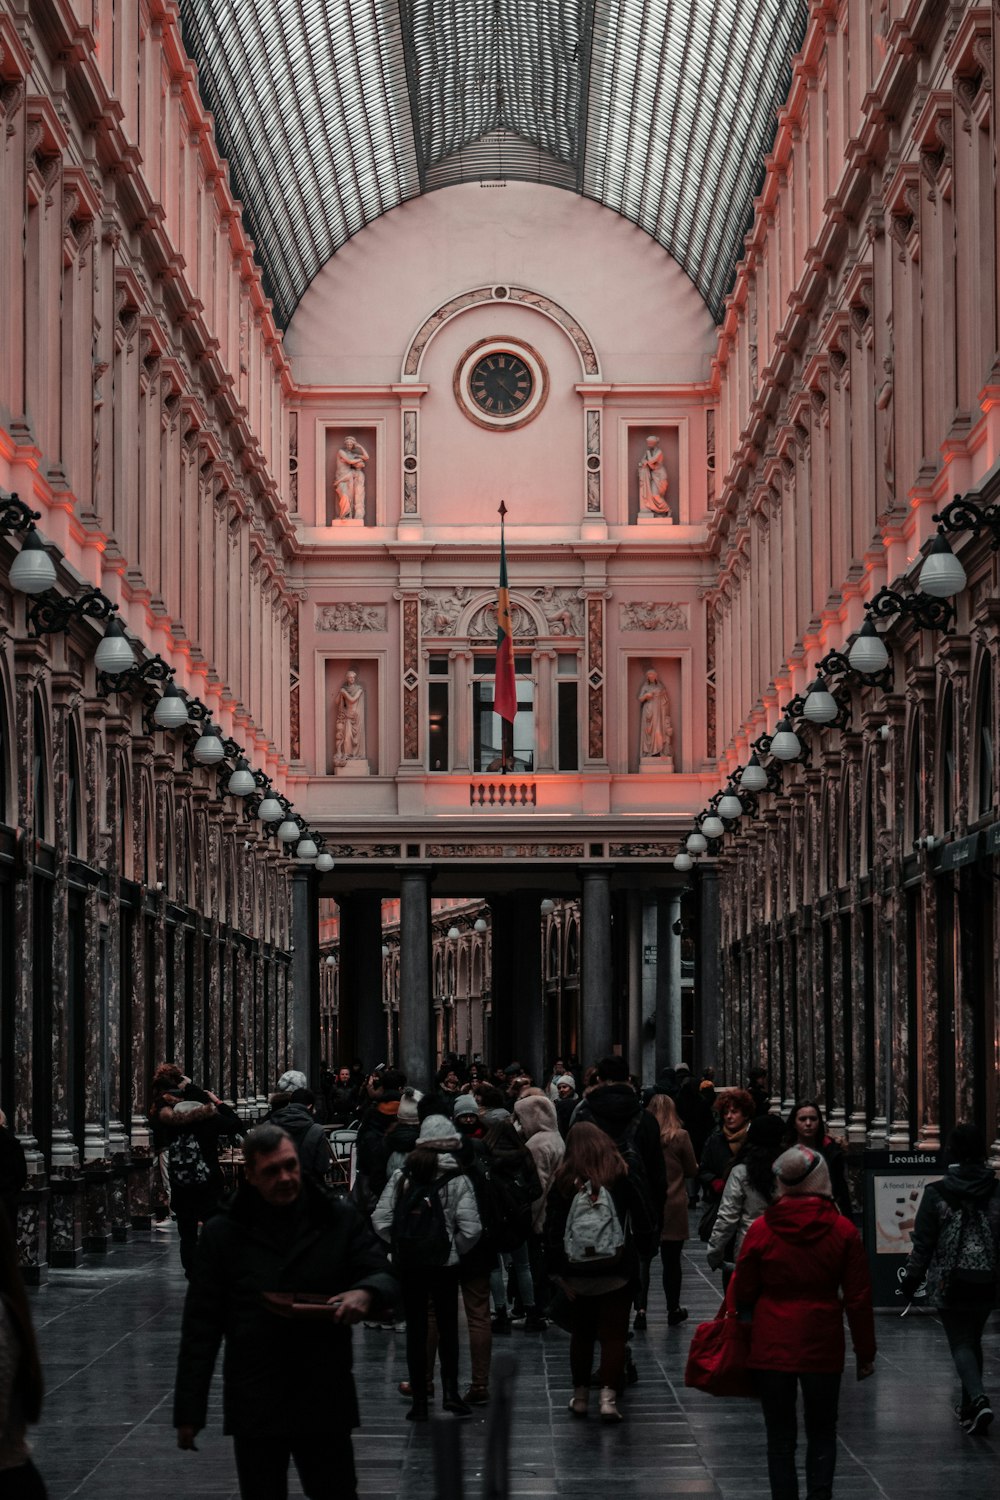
[961, 515]
[154, 669]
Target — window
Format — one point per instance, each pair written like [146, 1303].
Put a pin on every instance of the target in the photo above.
[984, 742]
[438, 703]
[487, 748]
[567, 713]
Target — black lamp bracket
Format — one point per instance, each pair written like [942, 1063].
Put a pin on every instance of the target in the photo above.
[15, 515]
[925, 611]
[53, 614]
[963, 515]
[153, 670]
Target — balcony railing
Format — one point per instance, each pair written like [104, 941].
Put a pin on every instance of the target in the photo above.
[506, 791]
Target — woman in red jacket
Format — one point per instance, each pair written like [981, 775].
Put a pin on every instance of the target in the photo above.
[801, 1268]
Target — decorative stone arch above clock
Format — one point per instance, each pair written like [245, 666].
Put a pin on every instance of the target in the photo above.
[519, 296]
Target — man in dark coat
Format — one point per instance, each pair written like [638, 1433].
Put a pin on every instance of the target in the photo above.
[287, 1389]
[614, 1105]
[311, 1142]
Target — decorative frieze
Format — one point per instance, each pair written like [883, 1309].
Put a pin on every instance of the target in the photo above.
[645, 614]
[347, 618]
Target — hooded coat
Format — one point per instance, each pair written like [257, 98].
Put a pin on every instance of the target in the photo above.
[801, 1268]
[965, 1184]
[315, 1156]
[614, 1107]
[458, 1199]
[277, 1376]
[536, 1116]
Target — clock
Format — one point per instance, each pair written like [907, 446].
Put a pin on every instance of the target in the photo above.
[501, 383]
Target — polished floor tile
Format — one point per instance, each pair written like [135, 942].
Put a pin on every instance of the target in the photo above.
[108, 1333]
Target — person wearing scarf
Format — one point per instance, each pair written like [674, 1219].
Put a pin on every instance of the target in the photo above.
[735, 1110]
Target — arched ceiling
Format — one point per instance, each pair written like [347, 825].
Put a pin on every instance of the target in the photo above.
[332, 112]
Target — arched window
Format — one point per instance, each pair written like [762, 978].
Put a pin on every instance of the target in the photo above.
[40, 770]
[983, 750]
[553, 952]
[946, 762]
[572, 950]
[6, 801]
[73, 790]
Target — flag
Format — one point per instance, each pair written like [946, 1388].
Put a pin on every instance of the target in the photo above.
[505, 690]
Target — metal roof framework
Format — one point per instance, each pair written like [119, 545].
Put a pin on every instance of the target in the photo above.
[332, 112]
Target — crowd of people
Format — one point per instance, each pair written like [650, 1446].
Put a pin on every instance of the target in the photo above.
[528, 1205]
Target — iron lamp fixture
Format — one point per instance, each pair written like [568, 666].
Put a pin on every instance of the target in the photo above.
[171, 711]
[927, 612]
[114, 656]
[16, 516]
[306, 849]
[453, 933]
[270, 809]
[730, 807]
[53, 614]
[155, 669]
[480, 925]
[32, 571]
[330, 961]
[942, 575]
[696, 843]
[208, 749]
[241, 783]
[547, 907]
[819, 705]
[712, 826]
[868, 654]
[753, 777]
[683, 862]
[324, 862]
[963, 515]
[785, 743]
[289, 831]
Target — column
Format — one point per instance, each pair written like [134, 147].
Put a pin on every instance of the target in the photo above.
[528, 1002]
[460, 709]
[650, 904]
[361, 975]
[303, 1048]
[596, 968]
[708, 1032]
[500, 1045]
[546, 728]
[635, 989]
[668, 981]
[415, 1051]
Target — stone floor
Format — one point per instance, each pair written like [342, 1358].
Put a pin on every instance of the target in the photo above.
[108, 1334]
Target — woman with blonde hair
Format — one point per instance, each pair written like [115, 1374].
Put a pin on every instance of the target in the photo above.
[680, 1163]
[590, 1254]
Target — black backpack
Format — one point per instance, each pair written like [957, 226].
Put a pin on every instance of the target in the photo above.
[420, 1238]
[642, 1218]
[186, 1166]
[511, 1209]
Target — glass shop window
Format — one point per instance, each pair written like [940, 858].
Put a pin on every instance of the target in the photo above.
[487, 747]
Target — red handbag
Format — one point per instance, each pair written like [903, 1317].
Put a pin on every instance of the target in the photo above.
[717, 1358]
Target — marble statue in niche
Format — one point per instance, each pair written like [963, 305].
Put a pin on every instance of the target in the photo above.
[653, 481]
[350, 756]
[656, 730]
[349, 481]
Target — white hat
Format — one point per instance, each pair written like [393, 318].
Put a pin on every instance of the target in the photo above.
[438, 1132]
[290, 1081]
[802, 1172]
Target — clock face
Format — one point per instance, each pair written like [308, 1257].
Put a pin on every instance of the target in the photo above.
[501, 384]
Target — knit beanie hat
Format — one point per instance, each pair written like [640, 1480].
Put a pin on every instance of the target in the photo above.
[438, 1133]
[465, 1104]
[801, 1171]
[566, 1078]
[766, 1131]
[496, 1116]
[292, 1080]
[407, 1111]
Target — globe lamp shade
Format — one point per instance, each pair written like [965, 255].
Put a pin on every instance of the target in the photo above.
[480, 925]
[730, 806]
[289, 831]
[696, 843]
[753, 777]
[547, 907]
[32, 571]
[114, 655]
[820, 706]
[868, 654]
[785, 743]
[942, 575]
[209, 749]
[712, 826]
[307, 849]
[683, 862]
[324, 863]
[241, 783]
[172, 710]
[270, 809]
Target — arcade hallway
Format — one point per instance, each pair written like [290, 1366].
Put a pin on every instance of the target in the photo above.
[108, 1334]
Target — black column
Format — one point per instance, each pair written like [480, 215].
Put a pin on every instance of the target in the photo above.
[361, 977]
[416, 1057]
[303, 1051]
[708, 971]
[527, 999]
[596, 976]
[500, 1046]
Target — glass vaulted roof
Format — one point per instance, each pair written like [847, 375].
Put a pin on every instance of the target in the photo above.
[332, 112]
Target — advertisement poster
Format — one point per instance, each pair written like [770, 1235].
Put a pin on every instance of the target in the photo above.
[894, 1185]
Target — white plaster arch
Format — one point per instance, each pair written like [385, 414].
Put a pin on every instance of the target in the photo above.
[500, 294]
